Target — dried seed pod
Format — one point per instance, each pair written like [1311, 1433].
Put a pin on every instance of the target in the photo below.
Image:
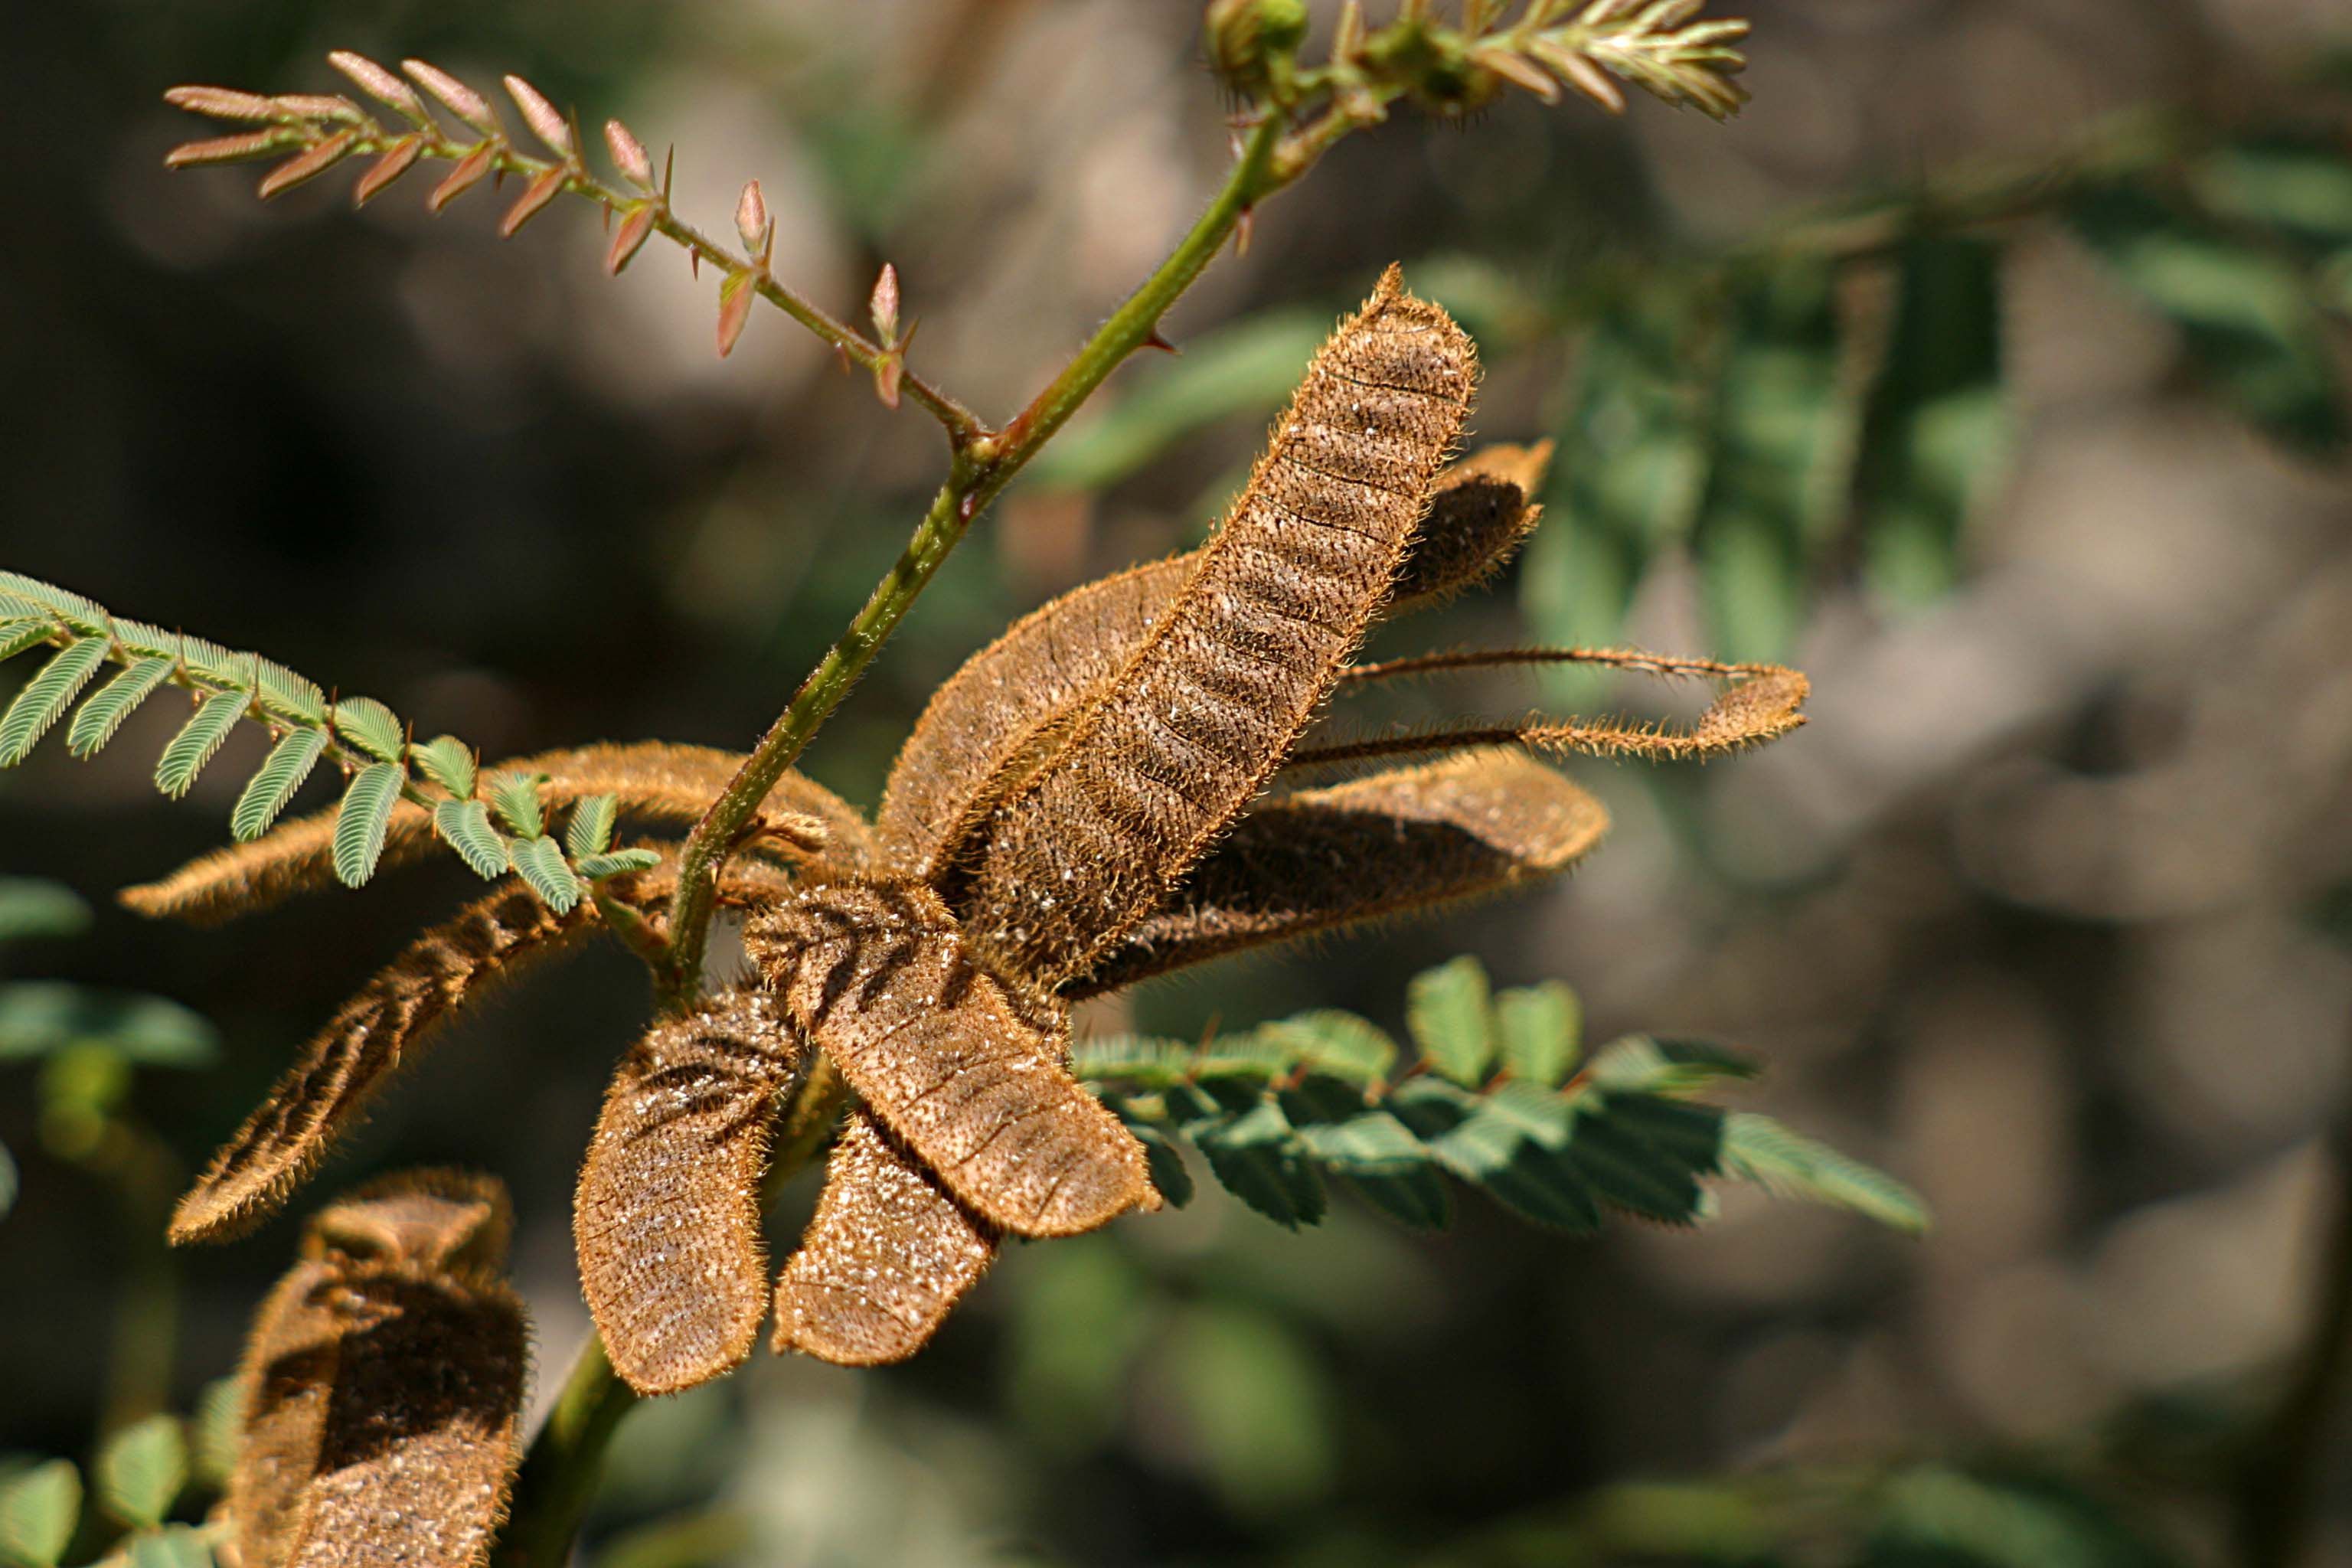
[973, 1078]
[998, 702]
[377, 1030]
[887, 1257]
[1162, 757]
[1394, 842]
[667, 1219]
[383, 1383]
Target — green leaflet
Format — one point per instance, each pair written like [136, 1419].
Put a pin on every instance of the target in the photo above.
[1492, 1153]
[31, 906]
[1627, 481]
[2246, 317]
[361, 820]
[265, 793]
[84, 616]
[617, 863]
[590, 831]
[46, 697]
[96, 723]
[1781, 435]
[2301, 189]
[17, 635]
[1331, 1041]
[371, 727]
[515, 797]
[1935, 434]
[1160, 1153]
[1447, 1009]
[1639, 1063]
[141, 1470]
[1759, 1150]
[465, 825]
[1542, 1030]
[1255, 1153]
[198, 740]
[448, 761]
[540, 862]
[39, 1508]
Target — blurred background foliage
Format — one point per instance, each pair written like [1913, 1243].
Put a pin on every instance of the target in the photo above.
[1989, 367]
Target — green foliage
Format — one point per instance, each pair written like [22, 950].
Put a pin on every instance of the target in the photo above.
[39, 1508]
[142, 1469]
[1281, 1111]
[367, 740]
[31, 907]
[45, 1017]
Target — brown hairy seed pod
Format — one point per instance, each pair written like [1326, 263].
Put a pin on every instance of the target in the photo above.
[972, 1076]
[667, 1219]
[1053, 656]
[887, 1257]
[655, 783]
[376, 1031]
[383, 1381]
[1162, 757]
[1394, 842]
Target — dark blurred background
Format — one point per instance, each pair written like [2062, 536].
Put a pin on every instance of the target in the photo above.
[2043, 912]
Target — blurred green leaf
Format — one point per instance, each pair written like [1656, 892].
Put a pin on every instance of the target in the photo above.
[1080, 1318]
[1935, 433]
[31, 906]
[1936, 1517]
[1494, 1153]
[141, 1470]
[1449, 1010]
[39, 1508]
[1249, 367]
[1258, 1408]
[1780, 435]
[219, 1430]
[1759, 1150]
[2246, 317]
[1626, 480]
[708, 1536]
[1645, 1155]
[173, 1546]
[42, 1018]
[1542, 1030]
[1640, 1064]
[2301, 188]
[1331, 1041]
[8, 1181]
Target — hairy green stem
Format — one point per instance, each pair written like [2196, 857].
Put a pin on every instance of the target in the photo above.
[979, 475]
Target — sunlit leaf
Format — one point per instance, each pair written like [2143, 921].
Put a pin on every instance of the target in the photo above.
[1759, 1150]
[198, 740]
[266, 793]
[1542, 1030]
[1448, 1009]
[540, 862]
[371, 727]
[97, 720]
[362, 818]
[39, 1508]
[46, 697]
[450, 762]
[465, 826]
[142, 1470]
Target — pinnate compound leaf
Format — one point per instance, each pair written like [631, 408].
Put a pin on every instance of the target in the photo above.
[1327, 1040]
[198, 742]
[450, 762]
[18, 633]
[515, 797]
[1934, 431]
[361, 821]
[1258, 1157]
[371, 727]
[268, 791]
[540, 863]
[1759, 1150]
[590, 831]
[1542, 1031]
[142, 1470]
[465, 826]
[46, 697]
[97, 720]
[39, 1508]
[1448, 1010]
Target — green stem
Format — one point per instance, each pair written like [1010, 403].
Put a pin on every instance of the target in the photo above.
[980, 473]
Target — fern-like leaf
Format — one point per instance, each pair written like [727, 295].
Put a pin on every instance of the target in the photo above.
[18, 634]
[361, 821]
[198, 740]
[45, 698]
[371, 727]
[448, 762]
[540, 863]
[515, 798]
[1763, 1151]
[591, 828]
[265, 793]
[108, 707]
[617, 863]
[465, 826]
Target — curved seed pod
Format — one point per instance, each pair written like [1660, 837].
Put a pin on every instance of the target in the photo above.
[1051, 658]
[1385, 845]
[887, 1257]
[655, 782]
[383, 1383]
[374, 1033]
[667, 1219]
[1760, 709]
[973, 1080]
[1165, 753]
